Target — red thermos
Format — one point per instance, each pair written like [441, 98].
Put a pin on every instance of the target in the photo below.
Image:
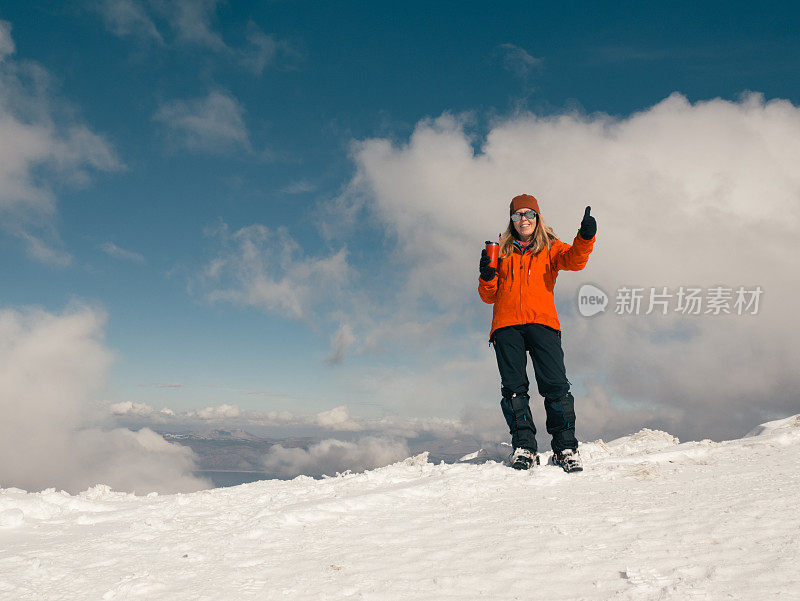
[493, 250]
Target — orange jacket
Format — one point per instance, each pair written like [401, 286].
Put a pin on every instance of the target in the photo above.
[522, 292]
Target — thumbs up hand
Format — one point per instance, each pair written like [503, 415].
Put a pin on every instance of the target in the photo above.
[588, 225]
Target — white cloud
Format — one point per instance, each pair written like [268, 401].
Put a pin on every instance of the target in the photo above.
[139, 462]
[264, 50]
[52, 368]
[192, 21]
[131, 408]
[41, 148]
[341, 341]
[279, 416]
[337, 418]
[7, 46]
[267, 269]
[140, 414]
[128, 18]
[517, 60]
[112, 250]
[684, 194]
[41, 250]
[218, 412]
[299, 187]
[331, 456]
[260, 51]
[214, 124]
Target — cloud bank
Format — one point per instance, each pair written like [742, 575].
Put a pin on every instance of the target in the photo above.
[331, 456]
[472, 422]
[685, 194]
[52, 368]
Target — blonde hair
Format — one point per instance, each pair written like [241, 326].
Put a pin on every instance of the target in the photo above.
[543, 236]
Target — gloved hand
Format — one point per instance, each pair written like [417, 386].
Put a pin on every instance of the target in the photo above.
[588, 225]
[487, 273]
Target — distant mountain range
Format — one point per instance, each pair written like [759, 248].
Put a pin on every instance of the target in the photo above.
[234, 449]
[213, 434]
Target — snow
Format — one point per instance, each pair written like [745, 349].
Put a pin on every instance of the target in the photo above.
[649, 518]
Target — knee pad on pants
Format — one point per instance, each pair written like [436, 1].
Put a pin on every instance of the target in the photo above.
[508, 413]
[560, 413]
[517, 411]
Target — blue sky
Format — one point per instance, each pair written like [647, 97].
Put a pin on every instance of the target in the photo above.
[202, 119]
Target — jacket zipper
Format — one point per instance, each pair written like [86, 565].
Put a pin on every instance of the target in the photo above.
[521, 257]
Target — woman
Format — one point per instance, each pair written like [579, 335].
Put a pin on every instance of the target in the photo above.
[525, 320]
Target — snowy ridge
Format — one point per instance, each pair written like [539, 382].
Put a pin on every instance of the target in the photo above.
[650, 518]
[788, 426]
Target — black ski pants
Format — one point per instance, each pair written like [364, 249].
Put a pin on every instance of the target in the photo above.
[511, 345]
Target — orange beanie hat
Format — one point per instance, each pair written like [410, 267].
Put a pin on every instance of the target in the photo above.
[524, 201]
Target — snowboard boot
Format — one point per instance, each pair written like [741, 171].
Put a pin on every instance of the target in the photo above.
[569, 460]
[523, 459]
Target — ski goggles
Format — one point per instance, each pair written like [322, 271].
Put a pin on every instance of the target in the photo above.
[529, 215]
